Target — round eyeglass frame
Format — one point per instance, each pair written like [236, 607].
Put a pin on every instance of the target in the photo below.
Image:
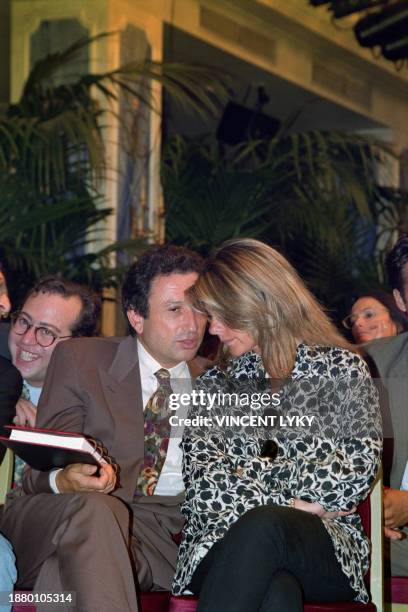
[346, 322]
[17, 315]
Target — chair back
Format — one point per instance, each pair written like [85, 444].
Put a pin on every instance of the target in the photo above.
[373, 525]
[6, 474]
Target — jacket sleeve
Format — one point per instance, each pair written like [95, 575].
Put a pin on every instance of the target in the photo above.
[338, 470]
[61, 407]
[10, 391]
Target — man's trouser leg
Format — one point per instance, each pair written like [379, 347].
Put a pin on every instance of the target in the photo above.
[84, 537]
[155, 519]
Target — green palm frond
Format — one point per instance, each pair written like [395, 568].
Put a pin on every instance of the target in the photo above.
[311, 194]
[42, 73]
[52, 158]
[56, 129]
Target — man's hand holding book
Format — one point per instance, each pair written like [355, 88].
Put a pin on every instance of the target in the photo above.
[84, 477]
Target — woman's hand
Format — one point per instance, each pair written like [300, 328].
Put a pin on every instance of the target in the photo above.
[316, 508]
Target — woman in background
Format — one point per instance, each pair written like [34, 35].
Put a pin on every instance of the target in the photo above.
[271, 523]
[375, 315]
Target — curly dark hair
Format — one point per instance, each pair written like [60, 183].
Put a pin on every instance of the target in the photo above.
[87, 323]
[157, 261]
[395, 262]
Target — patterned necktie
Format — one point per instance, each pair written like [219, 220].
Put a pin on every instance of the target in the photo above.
[156, 434]
[19, 463]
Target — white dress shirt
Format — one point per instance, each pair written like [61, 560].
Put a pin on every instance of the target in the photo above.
[34, 392]
[170, 480]
[404, 483]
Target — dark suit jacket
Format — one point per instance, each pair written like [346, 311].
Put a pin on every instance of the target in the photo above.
[390, 356]
[10, 390]
[4, 332]
[93, 387]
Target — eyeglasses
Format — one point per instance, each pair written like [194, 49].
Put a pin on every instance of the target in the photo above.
[367, 314]
[44, 336]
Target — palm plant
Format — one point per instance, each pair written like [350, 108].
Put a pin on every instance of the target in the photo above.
[206, 202]
[52, 159]
[313, 195]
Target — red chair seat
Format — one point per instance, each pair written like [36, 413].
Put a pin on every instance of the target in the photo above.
[20, 607]
[346, 606]
[396, 589]
[189, 604]
[182, 603]
[154, 601]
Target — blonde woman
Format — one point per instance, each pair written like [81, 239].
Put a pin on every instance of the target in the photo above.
[270, 514]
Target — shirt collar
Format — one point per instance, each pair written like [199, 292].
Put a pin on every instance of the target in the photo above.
[149, 365]
[33, 392]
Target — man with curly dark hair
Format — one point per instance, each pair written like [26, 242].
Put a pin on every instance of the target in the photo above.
[107, 527]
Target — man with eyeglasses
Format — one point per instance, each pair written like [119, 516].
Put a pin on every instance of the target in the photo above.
[390, 356]
[54, 309]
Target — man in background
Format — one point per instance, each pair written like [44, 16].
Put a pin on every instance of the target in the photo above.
[390, 356]
[54, 310]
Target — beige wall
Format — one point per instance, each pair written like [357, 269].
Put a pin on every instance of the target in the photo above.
[287, 38]
[4, 51]
[99, 16]
[300, 44]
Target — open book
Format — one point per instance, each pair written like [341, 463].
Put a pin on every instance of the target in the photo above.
[46, 449]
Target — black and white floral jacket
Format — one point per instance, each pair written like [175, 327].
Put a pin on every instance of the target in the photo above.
[333, 462]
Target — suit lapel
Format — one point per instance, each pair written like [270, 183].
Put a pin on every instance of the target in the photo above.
[122, 391]
[122, 379]
[126, 360]
[123, 395]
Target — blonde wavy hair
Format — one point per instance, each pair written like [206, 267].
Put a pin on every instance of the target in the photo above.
[249, 286]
